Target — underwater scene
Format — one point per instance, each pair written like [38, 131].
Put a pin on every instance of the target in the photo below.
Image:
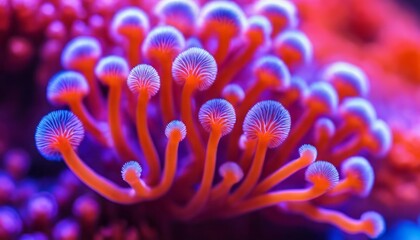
[195, 119]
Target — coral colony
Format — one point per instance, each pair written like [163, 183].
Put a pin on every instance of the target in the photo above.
[202, 111]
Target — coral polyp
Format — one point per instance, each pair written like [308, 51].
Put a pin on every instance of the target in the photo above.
[266, 126]
[56, 129]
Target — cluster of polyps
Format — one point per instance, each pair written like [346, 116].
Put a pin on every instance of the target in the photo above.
[254, 68]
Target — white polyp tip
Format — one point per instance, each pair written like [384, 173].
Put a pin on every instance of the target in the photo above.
[322, 172]
[176, 127]
[308, 151]
[131, 171]
[232, 168]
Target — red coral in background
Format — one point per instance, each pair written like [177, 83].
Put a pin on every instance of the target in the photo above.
[382, 38]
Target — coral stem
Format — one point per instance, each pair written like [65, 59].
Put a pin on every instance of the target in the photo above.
[273, 198]
[133, 52]
[245, 161]
[252, 95]
[140, 187]
[187, 117]
[299, 130]
[94, 98]
[221, 190]
[166, 94]
[146, 142]
[201, 197]
[88, 121]
[281, 174]
[333, 217]
[222, 49]
[114, 118]
[342, 186]
[253, 175]
[171, 159]
[100, 184]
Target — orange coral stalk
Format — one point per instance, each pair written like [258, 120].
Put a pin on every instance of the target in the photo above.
[193, 137]
[307, 156]
[95, 99]
[218, 117]
[268, 122]
[271, 73]
[146, 142]
[131, 173]
[322, 175]
[114, 118]
[246, 158]
[113, 72]
[254, 173]
[370, 223]
[201, 197]
[57, 136]
[175, 131]
[89, 122]
[100, 184]
[302, 126]
[161, 46]
[321, 99]
[166, 95]
[271, 199]
[231, 173]
[194, 68]
[144, 81]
